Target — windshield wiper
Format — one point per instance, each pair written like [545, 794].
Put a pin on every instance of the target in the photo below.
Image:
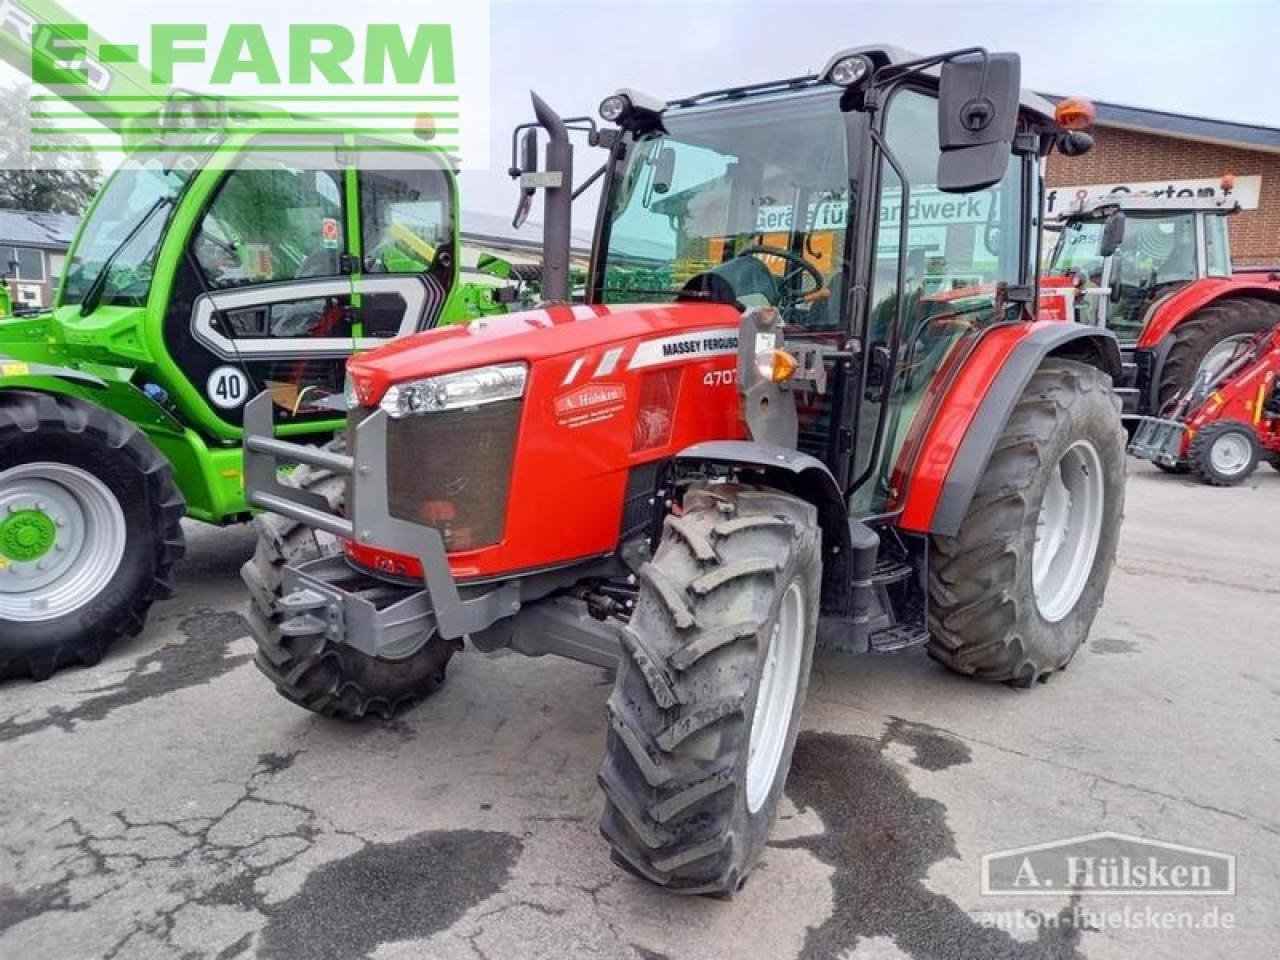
[93, 296]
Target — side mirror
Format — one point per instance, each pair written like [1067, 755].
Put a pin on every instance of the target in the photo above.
[664, 170]
[528, 163]
[1112, 234]
[977, 116]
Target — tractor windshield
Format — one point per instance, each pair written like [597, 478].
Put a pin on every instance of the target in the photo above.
[125, 227]
[745, 203]
[1158, 254]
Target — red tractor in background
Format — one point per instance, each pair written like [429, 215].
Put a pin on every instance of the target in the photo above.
[1157, 272]
[764, 429]
[1227, 423]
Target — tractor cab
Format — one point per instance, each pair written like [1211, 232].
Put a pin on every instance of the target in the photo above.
[828, 204]
[1125, 253]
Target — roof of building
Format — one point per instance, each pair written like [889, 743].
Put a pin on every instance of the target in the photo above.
[45, 231]
[1250, 136]
[494, 230]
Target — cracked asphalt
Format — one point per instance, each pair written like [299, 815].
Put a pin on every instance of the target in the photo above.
[167, 803]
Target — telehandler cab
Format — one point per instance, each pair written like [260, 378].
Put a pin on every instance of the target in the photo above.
[209, 267]
[807, 400]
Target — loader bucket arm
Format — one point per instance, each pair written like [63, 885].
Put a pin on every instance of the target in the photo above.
[36, 41]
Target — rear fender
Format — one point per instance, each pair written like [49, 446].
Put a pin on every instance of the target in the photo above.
[1180, 304]
[796, 473]
[968, 420]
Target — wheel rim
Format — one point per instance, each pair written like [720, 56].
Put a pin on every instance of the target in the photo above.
[1219, 356]
[775, 698]
[1067, 531]
[62, 537]
[1230, 454]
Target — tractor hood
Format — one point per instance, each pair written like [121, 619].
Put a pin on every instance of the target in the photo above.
[531, 336]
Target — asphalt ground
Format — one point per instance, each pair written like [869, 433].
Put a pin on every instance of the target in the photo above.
[168, 803]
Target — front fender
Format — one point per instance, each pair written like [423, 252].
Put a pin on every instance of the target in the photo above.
[15, 372]
[942, 475]
[801, 475]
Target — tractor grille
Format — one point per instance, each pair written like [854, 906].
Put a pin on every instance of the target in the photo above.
[452, 470]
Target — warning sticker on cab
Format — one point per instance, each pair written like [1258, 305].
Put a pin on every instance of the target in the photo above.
[685, 346]
[590, 403]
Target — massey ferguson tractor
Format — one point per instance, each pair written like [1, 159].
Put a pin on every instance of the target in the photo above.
[762, 431]
[1157, 272]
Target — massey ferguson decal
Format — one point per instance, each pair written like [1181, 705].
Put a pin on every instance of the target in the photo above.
[685, 346]
[590, 403]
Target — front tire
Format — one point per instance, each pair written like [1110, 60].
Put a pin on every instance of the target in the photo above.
[1225, 453]
[90, 527]
[708, 696]
[1014, 594]
[310, 669]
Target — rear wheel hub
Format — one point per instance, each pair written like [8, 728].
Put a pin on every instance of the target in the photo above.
[1231, 454]
[27, 535]
[62, 537]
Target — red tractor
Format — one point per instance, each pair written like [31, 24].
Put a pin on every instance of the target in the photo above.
[763, 430]
[1227, 423]
[1157, 272]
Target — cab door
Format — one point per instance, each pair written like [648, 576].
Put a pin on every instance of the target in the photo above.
[407, 262]
[294, 265]
[264, 299]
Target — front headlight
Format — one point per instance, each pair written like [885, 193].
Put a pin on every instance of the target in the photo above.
[456, 391]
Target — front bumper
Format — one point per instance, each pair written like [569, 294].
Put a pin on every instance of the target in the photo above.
[352, 606]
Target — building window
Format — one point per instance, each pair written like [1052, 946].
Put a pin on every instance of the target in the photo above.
[23, 263]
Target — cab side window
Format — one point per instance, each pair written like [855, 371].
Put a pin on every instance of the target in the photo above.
[406, 219]
[272, 225]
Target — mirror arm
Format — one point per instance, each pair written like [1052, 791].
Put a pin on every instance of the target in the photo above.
[897, 70]
[590, 180]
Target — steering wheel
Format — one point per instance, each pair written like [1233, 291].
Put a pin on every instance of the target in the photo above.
[800, 265]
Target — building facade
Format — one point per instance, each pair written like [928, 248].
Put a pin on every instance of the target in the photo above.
[33, 249]
[1151, 151]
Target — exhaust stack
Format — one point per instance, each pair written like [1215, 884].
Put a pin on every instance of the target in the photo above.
[557, 211]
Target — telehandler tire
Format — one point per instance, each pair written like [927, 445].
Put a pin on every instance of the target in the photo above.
[1014, 593]
[1212, 330]
[328, 678]
[707, 700]
[90, 527]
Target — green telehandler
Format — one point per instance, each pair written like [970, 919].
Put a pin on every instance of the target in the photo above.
[203, 272]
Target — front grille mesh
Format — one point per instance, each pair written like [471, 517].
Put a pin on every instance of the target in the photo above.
[451, 470]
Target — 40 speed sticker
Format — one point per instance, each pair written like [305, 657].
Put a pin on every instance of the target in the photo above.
[228, 388]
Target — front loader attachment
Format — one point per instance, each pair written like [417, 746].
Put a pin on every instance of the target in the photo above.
[1160, 441]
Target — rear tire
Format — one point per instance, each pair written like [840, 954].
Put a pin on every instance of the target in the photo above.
[708, 695]
[311, 670]
[1225, 453]
[997, 611]
[1204, 330]
[91, 520]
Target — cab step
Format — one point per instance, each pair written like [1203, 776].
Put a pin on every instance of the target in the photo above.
[898, 637]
